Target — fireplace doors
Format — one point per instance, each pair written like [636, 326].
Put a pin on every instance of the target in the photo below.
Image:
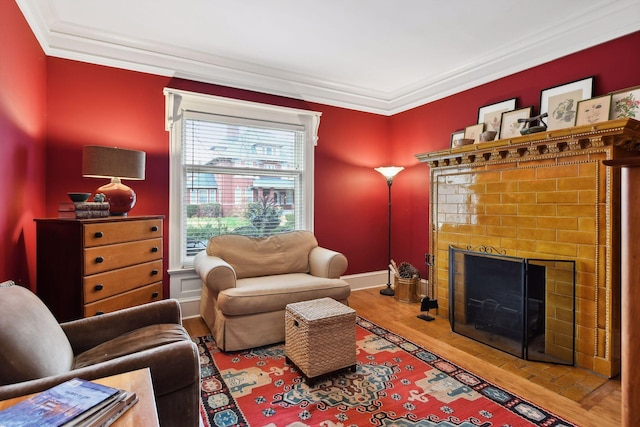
[525, 307]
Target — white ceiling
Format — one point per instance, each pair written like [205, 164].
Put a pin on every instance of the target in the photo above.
[380, 56]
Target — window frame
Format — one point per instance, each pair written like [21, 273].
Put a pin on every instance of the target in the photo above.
[179, 102]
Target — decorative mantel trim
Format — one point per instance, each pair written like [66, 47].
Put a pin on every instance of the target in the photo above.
[624, 133]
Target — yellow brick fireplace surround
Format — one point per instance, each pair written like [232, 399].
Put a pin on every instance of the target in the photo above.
[544, 195]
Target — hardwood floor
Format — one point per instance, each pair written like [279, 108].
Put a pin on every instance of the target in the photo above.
[580, 396]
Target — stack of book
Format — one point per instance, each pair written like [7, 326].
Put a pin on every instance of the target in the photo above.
[75, 403]
[83, 210]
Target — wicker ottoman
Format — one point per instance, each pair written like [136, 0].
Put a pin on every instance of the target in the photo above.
[320, 337]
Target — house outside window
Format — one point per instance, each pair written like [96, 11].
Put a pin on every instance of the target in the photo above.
[236, 167]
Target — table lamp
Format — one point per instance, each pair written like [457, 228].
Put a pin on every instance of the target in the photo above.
[117, 164]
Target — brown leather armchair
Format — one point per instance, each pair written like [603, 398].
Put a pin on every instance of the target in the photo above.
[36, 352]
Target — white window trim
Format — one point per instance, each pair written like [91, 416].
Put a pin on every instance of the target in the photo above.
[178, 101]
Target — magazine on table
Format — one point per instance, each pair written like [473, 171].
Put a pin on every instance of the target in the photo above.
[74, 403]
[107, 415]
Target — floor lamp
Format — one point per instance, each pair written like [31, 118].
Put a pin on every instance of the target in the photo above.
[389, 172]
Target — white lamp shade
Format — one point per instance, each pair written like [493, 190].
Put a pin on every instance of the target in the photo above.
[389, 171]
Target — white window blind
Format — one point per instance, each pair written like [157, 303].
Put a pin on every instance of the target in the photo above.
[243, 177]
[243, 171]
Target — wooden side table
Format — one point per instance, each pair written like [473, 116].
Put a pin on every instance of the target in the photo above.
[143, 413]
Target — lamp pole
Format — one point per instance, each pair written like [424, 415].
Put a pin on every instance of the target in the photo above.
[389, 172]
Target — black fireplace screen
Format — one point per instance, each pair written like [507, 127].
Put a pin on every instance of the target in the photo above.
[523, 306]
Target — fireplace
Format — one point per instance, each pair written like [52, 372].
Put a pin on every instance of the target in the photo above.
[541, 196]
[521, 306]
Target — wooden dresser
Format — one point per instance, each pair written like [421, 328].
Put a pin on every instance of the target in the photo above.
[93, 266]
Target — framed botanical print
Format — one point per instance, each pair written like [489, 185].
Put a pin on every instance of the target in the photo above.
[561, 102]
[509, 125]
[491, 115]
[593, 110]
[625, 103]
[473, 132]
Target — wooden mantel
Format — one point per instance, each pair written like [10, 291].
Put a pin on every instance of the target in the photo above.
[543, 195]
[624, 133]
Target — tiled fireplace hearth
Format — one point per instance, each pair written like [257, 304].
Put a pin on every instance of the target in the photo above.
[546, 195]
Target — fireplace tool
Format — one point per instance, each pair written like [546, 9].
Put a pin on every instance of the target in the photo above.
[428, 302]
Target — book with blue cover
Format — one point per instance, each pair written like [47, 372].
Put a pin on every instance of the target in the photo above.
[59, 405]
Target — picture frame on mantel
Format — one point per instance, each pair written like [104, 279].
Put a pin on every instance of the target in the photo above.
[459, 134]
[509, 125]
[625, 103]
[561, 102]
[491, 115]
[593, 110]
[473, 132]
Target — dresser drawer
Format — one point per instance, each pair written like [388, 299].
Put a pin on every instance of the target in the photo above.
[132, 298]
[103, 285]
[111, 257]
[107, 233]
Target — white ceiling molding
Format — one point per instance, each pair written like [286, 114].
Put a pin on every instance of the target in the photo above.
[543, 37]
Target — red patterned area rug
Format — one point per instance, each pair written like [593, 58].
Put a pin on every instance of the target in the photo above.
[396, 383]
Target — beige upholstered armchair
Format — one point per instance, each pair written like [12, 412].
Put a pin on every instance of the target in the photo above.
[37, 353]
[248, 281]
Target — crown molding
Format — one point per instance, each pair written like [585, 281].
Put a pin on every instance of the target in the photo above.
[69, 41]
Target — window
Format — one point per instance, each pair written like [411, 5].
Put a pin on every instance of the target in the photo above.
[236, 167]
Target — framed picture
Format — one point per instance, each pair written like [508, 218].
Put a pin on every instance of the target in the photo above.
[473, 132]
[593, 110]
[560, 102]
[459, 134]
[509, 126]
[490, 115]
[625, 103]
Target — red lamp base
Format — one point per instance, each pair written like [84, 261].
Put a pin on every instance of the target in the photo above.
[120, 197]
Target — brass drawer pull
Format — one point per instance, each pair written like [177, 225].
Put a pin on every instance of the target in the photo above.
[154, 249]
[154, 295]
[154, 228]
[99, 259]
[154, 272]
[98, 234]
[98, 287]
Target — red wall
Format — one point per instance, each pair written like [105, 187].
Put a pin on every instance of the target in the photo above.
[350, 197]
[22, 144]
[429, 127]
[91, 104]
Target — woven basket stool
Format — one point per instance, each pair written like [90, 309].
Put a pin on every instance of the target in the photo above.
[320, 337]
